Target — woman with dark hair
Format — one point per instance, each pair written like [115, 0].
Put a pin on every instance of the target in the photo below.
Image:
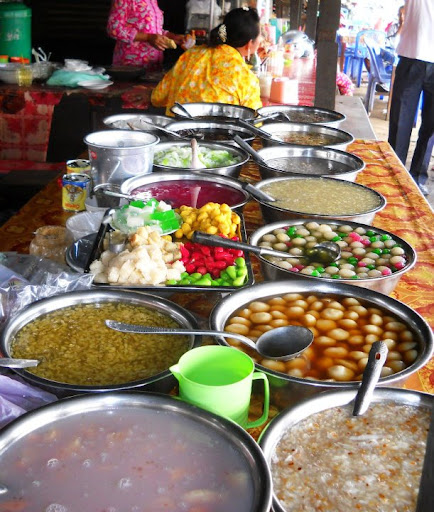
[216, 72]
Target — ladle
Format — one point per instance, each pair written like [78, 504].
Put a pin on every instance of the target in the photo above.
[376, 359]
[323, 252]
[159, 128]
[247, 147]
[256, 130]
[10, 362]
[186, 112]
[282, 343]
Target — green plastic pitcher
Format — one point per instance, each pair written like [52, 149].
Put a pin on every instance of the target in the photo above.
[219, 379]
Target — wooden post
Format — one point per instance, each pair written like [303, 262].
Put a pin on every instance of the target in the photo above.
[327, 53]
[294, 14]
[311, 18]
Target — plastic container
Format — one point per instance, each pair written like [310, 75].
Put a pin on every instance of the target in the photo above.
[4, 59]
[284, 90]
[15, 30]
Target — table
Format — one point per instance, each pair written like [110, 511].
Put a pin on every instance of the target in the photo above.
[407, 214]
[27, 113]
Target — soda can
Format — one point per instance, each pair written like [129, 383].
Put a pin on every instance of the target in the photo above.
[75, 190]
[78, 165]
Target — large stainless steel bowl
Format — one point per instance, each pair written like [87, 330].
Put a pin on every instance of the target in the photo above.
[309, 162]
[272, 213]
[214, 111]
[162, 382]
[336, 138]
[158, 181]
[286, 390]
[223, 432]
[383, 284]
[228, 170]
[311, 406]
[303, 114]
[211, 131]
[139, 122]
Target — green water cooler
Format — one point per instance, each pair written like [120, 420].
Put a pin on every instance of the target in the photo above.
[15, 30]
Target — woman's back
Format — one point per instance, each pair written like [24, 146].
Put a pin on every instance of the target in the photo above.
[205, 74]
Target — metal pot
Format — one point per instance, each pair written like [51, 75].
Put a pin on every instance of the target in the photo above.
[339, 139]
[302, 114]
[210, 129]
[162, 382]
[120, 122]
[116, 155]
[338, 398]
[310, 162]
[383, 284]
[155, 181]
[286, 390]
[273, 213]
[214, 111]
[229, 170]
[222, 432]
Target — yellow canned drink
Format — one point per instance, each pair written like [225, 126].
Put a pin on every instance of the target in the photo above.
[78, 166]
[75, 189]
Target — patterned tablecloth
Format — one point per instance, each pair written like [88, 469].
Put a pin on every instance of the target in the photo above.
[407, 214]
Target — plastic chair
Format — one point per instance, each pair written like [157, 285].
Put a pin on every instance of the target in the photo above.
[360, 51]
[377, 72]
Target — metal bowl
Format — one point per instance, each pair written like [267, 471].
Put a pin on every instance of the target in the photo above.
[120, 122]
[383, 284]
[273, 213]
[162, 382]
[89, 408]
[157, 183]
[229, 170]
[212, 132]
[285, 389]
[309, 162]
[214, 111]
[309, 407]
[336, 138]
[303, 114]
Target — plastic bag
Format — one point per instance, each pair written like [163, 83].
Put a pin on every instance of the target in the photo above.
[35, 278]
[71, 78]
[18, 397]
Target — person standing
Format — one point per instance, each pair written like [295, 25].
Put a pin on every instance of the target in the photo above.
[216, 72]
[414, 75]
[137, 27]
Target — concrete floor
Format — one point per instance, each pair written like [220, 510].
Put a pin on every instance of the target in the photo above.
[381, 128]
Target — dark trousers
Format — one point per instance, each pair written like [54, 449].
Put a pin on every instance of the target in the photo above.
[413, 77]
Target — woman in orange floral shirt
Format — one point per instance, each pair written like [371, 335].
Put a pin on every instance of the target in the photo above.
[216, 72]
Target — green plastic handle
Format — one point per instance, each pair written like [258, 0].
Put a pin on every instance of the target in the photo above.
[260, 421]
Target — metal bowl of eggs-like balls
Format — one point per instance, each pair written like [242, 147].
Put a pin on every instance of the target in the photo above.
[345, 321]
[369, 256]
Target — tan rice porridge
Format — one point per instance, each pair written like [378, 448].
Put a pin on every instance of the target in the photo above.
[334, 462]
[76, 347]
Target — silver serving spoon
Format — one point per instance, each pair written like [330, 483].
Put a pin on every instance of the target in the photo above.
[10, 362]
[158, 128]
[257, 131]
[376, 359]
[323, 252]
[186, 112]
[282, 343]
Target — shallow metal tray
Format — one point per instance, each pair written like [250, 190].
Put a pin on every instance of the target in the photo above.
[85, 250]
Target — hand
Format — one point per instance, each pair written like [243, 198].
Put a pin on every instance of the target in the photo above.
[159, 42]
[178, 38]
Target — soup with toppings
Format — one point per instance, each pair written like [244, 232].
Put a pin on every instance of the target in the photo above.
[333, 461]
[131, 459]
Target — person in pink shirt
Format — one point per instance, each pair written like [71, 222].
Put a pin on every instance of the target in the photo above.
[137, 26]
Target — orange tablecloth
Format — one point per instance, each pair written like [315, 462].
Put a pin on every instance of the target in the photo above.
[407, 214]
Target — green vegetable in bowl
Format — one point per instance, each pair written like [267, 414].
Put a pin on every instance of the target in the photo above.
[181, 157]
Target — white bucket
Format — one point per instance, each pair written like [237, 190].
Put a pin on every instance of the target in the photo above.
[117, 155]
